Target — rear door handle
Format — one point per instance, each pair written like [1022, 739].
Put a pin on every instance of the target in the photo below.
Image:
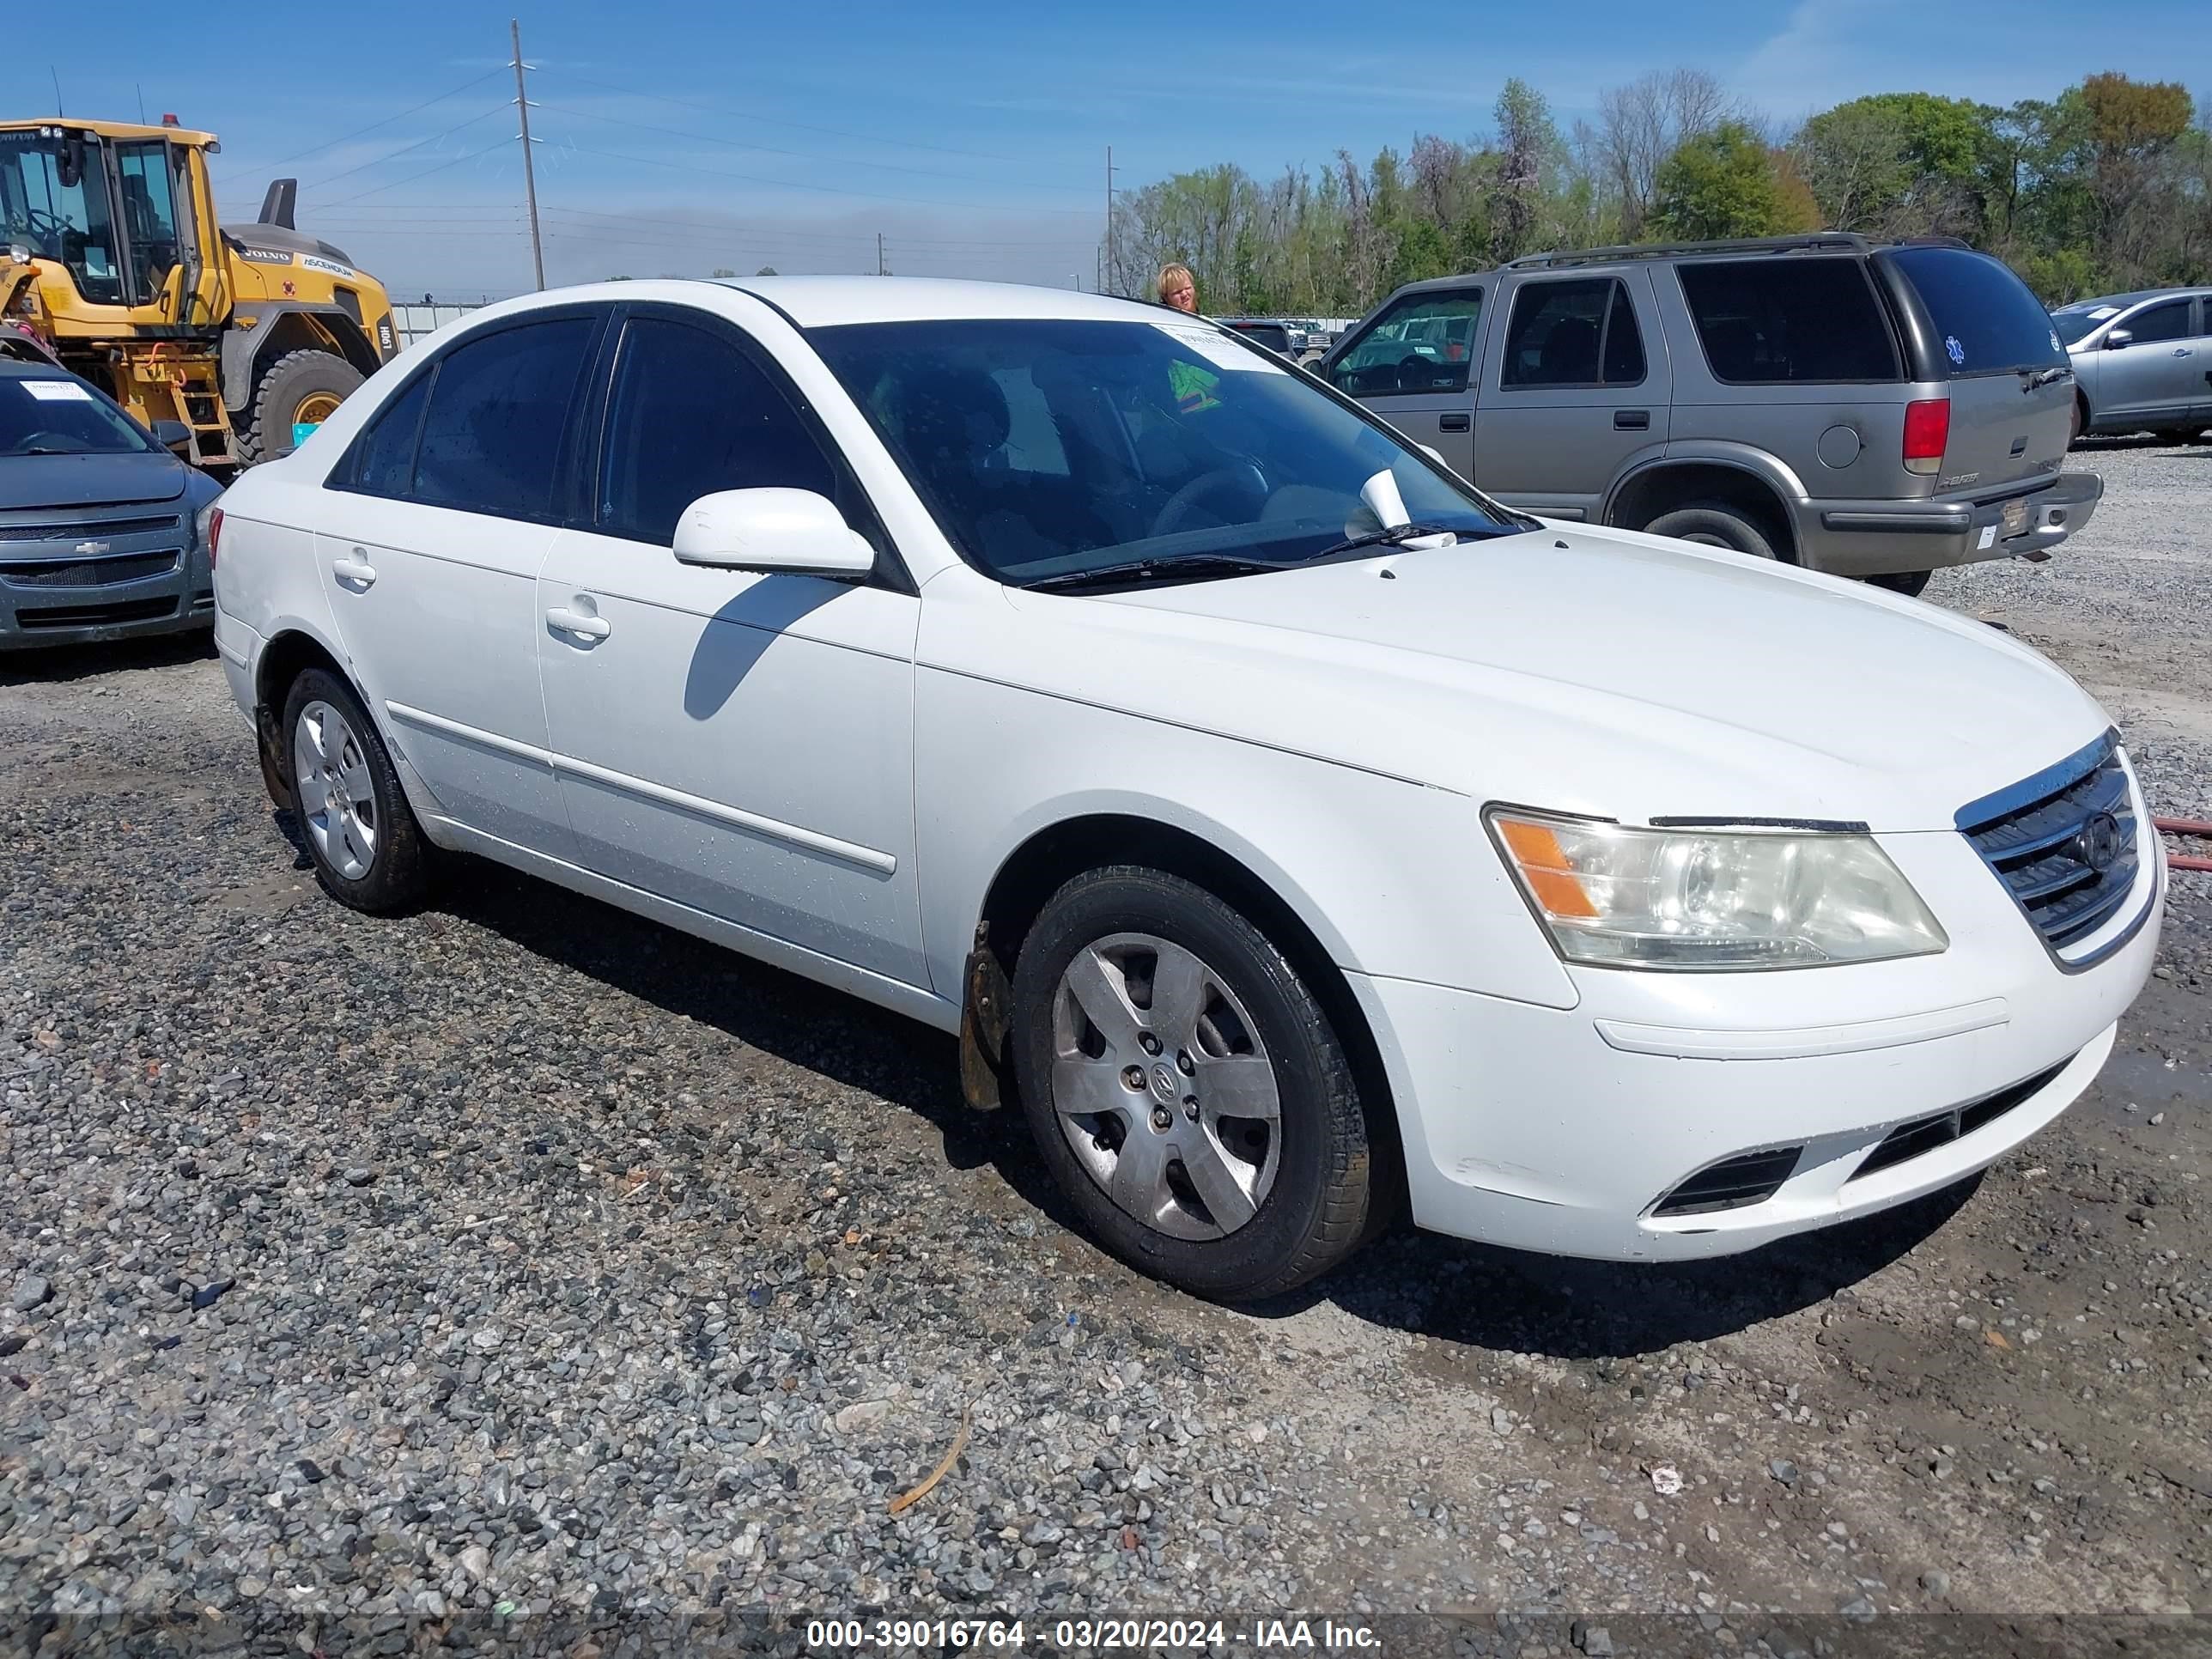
[2181, 351]
[1631, 420]
[576, 622]
[354, 569]
[1459, 422]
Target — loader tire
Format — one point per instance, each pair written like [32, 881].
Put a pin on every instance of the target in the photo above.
[307, 385]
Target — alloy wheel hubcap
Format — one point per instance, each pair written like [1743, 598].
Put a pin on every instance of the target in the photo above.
[1163, 1089]
[337, 798]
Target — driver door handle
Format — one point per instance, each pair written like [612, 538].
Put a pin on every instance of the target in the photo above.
[2181, 351]
[354, 569]
[576, 622]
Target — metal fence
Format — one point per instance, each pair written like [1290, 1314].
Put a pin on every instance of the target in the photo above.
[413, 322]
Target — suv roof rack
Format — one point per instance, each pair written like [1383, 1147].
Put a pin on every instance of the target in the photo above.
[1826, 241]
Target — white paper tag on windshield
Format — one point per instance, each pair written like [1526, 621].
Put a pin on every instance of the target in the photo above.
[58, 391]
[1224, 353]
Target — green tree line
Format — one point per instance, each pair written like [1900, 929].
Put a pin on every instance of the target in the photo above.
[2107, 186]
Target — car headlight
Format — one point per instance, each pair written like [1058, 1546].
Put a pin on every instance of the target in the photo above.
[1699, 899]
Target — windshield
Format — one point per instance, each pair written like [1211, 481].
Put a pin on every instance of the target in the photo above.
[54, 415]
[2073, 322]
[1046, 448]
[53, 200]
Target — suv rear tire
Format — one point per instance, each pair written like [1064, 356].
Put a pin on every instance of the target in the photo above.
[1121, 1115]
[1711, 524]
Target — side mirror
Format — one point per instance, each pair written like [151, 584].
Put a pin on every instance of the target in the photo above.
[2118, 338]
[175, 437]
[787, 530]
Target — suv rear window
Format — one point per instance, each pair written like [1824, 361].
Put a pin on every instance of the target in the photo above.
[1802, 319]
[1986, 321]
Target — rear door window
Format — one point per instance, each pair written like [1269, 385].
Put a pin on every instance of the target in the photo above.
[1580, 332]
[492, 435]
[1777, 322]
[1424, 342]
[1986, 322]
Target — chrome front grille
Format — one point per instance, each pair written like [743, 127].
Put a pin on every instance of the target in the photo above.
[86, 529]
[2064, 842]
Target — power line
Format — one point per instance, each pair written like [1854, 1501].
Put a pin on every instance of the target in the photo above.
[471, 155]
[801, 126]
[395, 155]
[248, 168]
[827, 189]
[799, 154]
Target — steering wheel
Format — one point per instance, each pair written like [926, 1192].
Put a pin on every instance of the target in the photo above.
[40, 223]
[1243, 476]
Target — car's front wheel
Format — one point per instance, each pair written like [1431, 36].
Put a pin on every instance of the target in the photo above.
[1187, 1089]
[369, 851]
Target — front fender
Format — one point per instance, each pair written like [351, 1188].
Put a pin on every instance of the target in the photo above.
[1392, 878]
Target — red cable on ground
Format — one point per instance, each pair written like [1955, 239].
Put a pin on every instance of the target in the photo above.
[2184, 827]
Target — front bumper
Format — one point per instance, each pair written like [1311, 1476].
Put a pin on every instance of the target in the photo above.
[1866, 539]
[1561, 1130]
[45, 607]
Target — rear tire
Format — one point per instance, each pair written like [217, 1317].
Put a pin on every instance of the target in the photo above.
[369, 851]
[2177, 434]
[1275, 1201]
[1911, 583]
[1710, 524]
[308, 384]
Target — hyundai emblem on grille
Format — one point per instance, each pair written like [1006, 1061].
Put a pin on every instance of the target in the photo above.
[2100, 841]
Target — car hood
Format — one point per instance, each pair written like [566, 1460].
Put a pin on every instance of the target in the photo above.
[1599, 672]
[40, 480]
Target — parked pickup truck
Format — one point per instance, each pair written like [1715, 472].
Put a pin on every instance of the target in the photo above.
[1867, 410]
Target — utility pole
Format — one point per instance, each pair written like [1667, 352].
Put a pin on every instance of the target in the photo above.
[880, 270]
[1110, 276]
[529, 169]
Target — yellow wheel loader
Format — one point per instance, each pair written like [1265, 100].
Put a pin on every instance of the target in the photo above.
[113, 265]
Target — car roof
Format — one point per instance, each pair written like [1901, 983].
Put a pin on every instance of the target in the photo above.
[2137, 297]
[828, 302]
[16, 369]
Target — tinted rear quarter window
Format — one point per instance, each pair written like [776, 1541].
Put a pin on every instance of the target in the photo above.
[383, 460]
[1986, 320]
[1787, 321]
[491, 438]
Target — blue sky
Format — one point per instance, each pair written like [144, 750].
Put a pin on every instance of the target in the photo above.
[678, 137]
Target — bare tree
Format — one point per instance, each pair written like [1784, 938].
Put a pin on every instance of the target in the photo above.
[1642, 124]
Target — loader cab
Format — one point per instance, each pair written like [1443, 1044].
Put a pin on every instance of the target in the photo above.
[126, 211]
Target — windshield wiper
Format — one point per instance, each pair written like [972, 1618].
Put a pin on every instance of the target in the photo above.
[1197, 566]
[1396, 535]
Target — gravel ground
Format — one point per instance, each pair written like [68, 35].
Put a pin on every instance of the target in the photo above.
[511, 1268]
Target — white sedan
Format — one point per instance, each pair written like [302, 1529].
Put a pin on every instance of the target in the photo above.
[1288, 829]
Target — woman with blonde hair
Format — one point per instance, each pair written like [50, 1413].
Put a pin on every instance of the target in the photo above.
[1178, 288]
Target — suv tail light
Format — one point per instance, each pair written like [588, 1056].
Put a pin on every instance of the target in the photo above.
[1927, 431]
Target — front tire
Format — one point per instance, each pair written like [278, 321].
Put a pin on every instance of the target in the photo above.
[300, 386]
[1187, 1090]
[369, 853]
[1711, 524]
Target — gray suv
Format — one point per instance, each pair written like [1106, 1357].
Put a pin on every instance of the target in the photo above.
[1868, 410]
[2142, 362]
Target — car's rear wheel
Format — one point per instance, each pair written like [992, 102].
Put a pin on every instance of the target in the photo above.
[2177, 434]
[1185, 1088]
[1713, 524]
[369, 853]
